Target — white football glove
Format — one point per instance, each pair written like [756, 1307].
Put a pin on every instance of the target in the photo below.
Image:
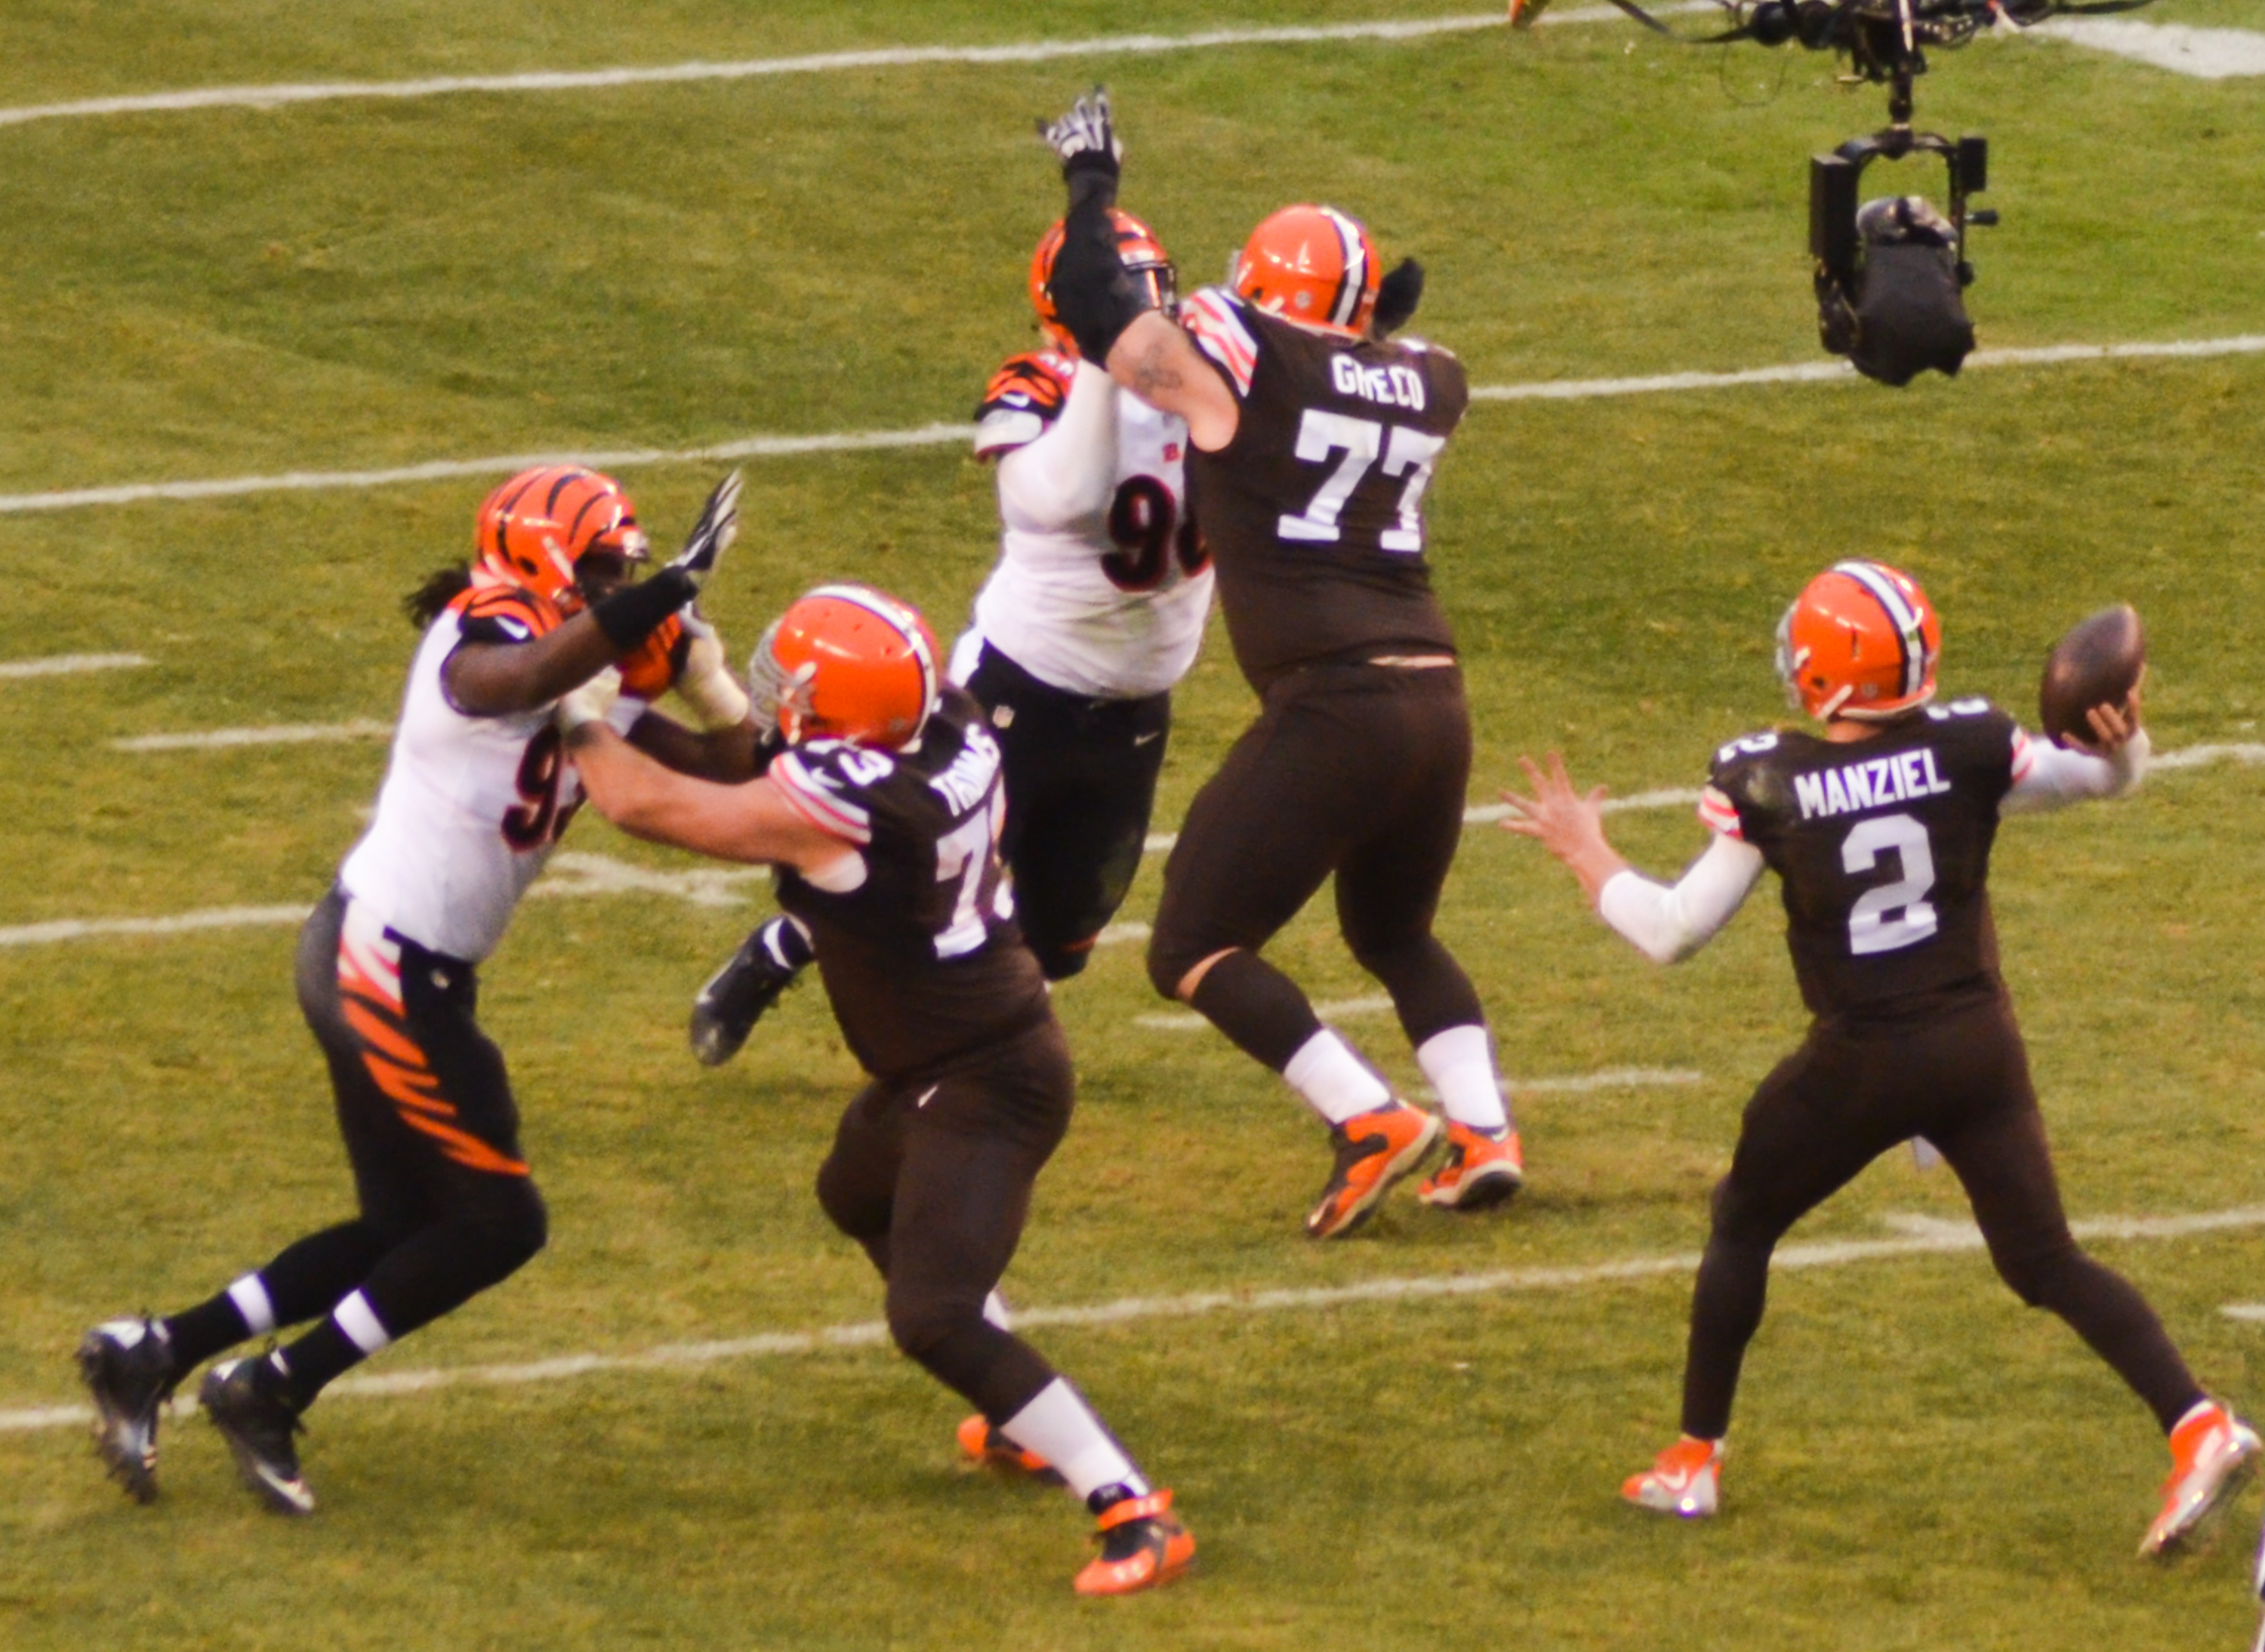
[1086, 136]
[706, 684]
[590, 703]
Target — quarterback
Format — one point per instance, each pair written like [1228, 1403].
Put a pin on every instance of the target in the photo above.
[475, 798]
[1314, 436]
[1880, 830]
[882, 807]
[1095, 610]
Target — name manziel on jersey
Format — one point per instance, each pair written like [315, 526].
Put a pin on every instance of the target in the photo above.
[1867, 785]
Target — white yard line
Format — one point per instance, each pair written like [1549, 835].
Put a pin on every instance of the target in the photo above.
[2252, 1312]
[2205, 53]
[571, 873]
[273, 734]
[1921, 1239]
[950, 435]
[66, 665]
[271, 96]
[1343, 1009]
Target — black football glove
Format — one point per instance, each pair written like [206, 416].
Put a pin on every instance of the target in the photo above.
[1397, 295]
[1085, 142]
[712, 535]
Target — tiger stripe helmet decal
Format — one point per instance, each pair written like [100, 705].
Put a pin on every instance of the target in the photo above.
[534, 529]
[1137, 248]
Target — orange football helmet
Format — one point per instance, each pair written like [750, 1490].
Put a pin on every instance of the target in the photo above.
[1860, 641]
[1312, 265]
[1144, 260]
[847, 662]
[537, 527]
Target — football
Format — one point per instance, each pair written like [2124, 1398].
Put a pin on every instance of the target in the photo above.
[2097, 663]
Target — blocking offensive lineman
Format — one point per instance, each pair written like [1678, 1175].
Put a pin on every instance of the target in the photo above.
[1314, 437]
[1880, 832]
[475, 798]
[1095, 610]
[882, 814]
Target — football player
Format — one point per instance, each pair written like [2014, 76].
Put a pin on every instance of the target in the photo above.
[475, 798]
[882, 809]
[1313, 438]
[1096, 609]
[1879, 830]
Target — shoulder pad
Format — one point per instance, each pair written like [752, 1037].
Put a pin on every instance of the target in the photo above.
[829, 784]
[1739, 780]
[505, 614]
[1023, 397]
[1219, 322]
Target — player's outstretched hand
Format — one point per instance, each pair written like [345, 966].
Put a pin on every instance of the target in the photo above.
[1562, 820]
[1085, 142]
[2113, 726]
[712, 535]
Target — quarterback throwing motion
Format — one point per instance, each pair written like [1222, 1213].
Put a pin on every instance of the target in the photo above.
[1314, 438]
[1880, 832]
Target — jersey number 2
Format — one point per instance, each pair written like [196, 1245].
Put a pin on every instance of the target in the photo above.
[1894, 915]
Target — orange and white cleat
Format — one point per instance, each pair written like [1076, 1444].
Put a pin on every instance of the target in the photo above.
[1523, 14]
[1481, 1170]
[1685, 1479]
[2213, 1452]
[1143, 1546]
[984, 1447]
[1375, 1150]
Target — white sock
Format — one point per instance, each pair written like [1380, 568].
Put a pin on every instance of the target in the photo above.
[1061, 1427]
[360, 1321]
[1334, 1082]
[994, 1311]
[249, 1295]
[1459, 1063]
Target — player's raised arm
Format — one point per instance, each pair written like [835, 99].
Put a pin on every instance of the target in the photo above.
[1666, 923]
[1109, 313]
[2047, 776]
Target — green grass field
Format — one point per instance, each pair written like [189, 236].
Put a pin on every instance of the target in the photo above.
[1918, 1463]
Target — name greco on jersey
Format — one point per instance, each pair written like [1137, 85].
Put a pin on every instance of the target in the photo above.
[1855, 786]
[963, 784]
[1393, 386]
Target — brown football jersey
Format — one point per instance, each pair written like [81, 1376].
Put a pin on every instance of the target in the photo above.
[923, 959]
[1882, 847]
[1314, 513]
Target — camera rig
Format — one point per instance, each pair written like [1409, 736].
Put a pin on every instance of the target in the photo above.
[1885, 43]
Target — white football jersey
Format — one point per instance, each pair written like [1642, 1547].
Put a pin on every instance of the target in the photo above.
[472, 805]
[1102, 586]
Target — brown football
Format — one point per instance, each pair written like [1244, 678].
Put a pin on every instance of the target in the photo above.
[2097, 662]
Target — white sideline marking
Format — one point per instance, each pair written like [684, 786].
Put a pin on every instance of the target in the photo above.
[1951, 1238]
[941, 435]
[60, 664]
[712, 886]
[2252, 1312]
[1820, 372]
[820, 63]
[2205, 53]
[1188, 1020]
[275, 734]
[570, 874]
[1609, 1078]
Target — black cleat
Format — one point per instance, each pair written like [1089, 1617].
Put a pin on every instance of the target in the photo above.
[244, 1399]
[127, 1368]
[738, 995]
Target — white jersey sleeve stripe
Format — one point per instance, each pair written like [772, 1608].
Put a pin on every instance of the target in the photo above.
[822, 808]
[1208, 314]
